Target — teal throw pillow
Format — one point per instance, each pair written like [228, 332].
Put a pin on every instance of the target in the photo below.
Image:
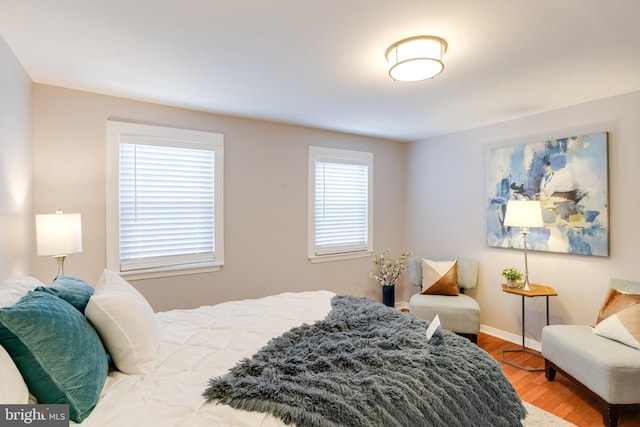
[56, 349]
[71, 289]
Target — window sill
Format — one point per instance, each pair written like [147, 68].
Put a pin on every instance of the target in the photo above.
[169, 272]
[338, 257]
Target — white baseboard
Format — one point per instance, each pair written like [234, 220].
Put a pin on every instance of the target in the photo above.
[508, 336]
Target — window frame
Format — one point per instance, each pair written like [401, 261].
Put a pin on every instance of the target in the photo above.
[335, 155]
[119, 130]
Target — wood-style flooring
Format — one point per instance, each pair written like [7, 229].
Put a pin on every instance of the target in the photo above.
[560, 397]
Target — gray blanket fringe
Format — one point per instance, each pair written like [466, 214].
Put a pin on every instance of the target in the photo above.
[366, 364]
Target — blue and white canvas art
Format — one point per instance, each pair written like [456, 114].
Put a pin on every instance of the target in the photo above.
[570, 179]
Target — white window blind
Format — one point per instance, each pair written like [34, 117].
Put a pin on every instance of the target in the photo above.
[167, 200]
[166, 206]
[341, 201]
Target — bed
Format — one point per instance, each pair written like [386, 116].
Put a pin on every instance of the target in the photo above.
[305, 358]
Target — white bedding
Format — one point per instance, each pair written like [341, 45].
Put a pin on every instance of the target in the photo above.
[196, 345]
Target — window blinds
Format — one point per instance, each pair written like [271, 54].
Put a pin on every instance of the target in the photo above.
[341, 207]
[166, 205]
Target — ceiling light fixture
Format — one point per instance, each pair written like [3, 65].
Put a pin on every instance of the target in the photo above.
[416, 58]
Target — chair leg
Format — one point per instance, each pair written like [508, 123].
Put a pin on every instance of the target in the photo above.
[471, 337]
[549, 371]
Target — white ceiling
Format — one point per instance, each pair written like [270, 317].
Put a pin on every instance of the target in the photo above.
[321, 63]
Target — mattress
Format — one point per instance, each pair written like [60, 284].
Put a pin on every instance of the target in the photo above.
[196, 345]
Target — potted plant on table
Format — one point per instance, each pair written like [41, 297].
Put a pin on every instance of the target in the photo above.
[388, 272]
[512, 275]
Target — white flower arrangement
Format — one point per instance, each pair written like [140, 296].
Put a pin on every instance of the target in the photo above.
[389, 269]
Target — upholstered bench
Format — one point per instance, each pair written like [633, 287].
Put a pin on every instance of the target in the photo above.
[607, 368]
[461, 313]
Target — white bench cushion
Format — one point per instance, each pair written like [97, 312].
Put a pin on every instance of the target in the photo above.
[608, 368]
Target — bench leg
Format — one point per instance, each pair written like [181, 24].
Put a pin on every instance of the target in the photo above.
[609, 411]
[610, 416]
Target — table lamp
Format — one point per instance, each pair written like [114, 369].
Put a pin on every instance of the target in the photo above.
[524, 214]
[59, 235]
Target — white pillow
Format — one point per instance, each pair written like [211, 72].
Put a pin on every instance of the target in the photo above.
[13, 389]
[13, 289]
[126, 323]
[623, 326]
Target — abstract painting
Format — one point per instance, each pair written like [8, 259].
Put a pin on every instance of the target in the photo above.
[569, 177]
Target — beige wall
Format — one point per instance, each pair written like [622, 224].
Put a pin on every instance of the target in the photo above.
[429, 198]
[265, 198]
[16, 219]
[446, 212]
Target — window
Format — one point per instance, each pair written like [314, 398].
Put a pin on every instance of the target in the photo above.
[165, 199]
[340, 212]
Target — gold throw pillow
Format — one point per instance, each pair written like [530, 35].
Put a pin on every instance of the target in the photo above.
[440, 277]
[616, 301]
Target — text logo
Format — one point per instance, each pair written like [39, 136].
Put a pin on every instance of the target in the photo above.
[34, 415]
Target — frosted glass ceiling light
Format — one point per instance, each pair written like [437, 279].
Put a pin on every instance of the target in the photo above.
[416, 58]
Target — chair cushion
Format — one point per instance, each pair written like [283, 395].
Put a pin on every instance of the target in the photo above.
[608, 368]
[625, 286]
[459, 314]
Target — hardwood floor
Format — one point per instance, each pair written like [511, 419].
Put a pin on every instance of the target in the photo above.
[560, 397]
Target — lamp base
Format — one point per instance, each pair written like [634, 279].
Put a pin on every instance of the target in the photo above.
[526, 286]
[60, 262]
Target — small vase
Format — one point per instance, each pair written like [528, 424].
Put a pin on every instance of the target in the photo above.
[389, 295]
[512, 283]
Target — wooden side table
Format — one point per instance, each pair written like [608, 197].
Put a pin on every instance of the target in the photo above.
[538, 291]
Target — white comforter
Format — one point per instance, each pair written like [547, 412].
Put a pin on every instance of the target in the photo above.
[196, 345]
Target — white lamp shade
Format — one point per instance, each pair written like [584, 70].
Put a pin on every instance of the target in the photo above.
[416, 58]
[523, 213]
[58, 234]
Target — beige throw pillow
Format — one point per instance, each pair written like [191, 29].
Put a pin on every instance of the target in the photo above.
[624, 326]
[126, 323]
[440, 277]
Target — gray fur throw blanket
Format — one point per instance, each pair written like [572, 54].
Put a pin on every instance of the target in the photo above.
[366, 364]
